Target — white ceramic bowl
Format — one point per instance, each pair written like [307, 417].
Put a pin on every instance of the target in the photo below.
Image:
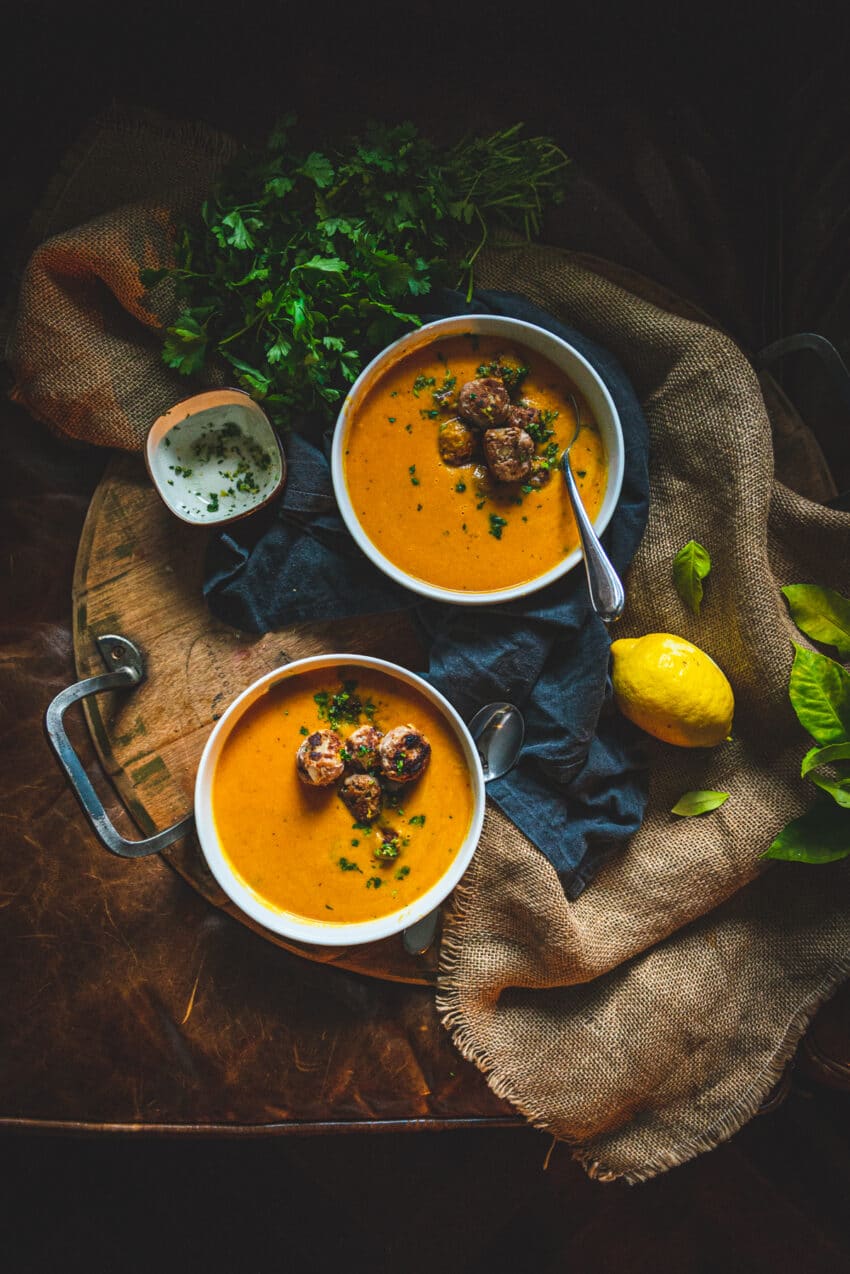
[515, 333]
[289, 924]
[182, 457]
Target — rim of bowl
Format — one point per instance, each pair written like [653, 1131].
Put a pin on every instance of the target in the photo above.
[491, 324]
[290, 924]
[161, 427]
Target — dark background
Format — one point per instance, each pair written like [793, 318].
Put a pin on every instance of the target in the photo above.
[711, 153]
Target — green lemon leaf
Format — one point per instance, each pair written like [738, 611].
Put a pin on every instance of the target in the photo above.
[822, 614]
[819, 691]
[838, 789]
[698, 802]
[690, 567]
[821, 835]
[824, 756]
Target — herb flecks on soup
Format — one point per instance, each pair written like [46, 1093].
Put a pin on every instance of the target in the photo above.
[368, 841]
[449, 458]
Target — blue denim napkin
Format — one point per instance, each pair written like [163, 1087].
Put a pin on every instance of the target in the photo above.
[579, 789]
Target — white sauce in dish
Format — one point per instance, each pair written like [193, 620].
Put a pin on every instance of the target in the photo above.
[212, 465]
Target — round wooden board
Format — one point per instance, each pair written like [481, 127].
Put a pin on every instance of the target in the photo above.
[139, 573]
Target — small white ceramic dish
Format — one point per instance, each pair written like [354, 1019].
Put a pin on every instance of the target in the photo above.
[515, 332]
[289, 924]
[215, 457]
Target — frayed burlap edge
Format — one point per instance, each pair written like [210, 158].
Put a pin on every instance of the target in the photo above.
[453, 1017]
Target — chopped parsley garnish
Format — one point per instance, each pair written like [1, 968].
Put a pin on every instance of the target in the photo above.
[344, 865]
[444, 396]
[387, 849]
[497, 525]
[510, 374]
[460, 486]
[303, 730]
[541, 429]
[423, 382]
[374, 882]
[418, 820]
[413, 478]
[402, 872]
[342, 708]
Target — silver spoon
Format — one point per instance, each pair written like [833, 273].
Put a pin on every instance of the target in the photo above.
[607, 595]
[498, 730]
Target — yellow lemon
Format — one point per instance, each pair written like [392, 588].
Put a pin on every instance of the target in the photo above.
[672, 689]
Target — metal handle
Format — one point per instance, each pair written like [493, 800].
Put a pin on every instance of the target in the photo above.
[836, 370]
[607, 595]
[128, 664]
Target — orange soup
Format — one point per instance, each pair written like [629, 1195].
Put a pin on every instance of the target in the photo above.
[453, 525]
[298, 847]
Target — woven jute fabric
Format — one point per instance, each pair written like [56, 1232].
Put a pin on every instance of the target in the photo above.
[647, 1020]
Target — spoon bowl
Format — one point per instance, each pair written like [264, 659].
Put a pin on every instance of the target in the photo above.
[498, 730]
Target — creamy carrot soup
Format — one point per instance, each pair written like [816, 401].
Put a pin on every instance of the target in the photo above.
[298, 847]
[453, 525]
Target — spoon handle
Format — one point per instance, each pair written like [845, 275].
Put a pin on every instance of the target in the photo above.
[607, 595]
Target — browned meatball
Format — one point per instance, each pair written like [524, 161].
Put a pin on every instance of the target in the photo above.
[509, 453]
[457, 442]
[483, 402]
[362, 747]
[404, 753]
[521, 417]
[318, 760]
[362, 795]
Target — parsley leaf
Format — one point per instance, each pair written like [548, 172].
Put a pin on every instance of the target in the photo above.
[304, 263]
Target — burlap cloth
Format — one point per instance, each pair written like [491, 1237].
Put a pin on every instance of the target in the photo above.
[646, 1021]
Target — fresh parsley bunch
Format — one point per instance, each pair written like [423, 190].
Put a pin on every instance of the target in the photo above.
[304, 264]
